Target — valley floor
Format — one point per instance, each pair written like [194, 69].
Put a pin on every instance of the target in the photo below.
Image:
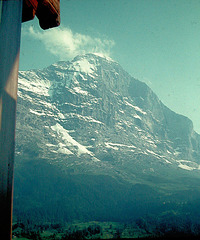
[99, 230]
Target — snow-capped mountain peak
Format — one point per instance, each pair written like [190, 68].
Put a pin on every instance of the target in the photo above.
[94, 143]
[91, 109]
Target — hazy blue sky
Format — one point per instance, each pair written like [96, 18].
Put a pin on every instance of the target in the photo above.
[156, 41]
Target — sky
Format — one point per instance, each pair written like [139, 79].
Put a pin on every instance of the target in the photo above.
[157, 42]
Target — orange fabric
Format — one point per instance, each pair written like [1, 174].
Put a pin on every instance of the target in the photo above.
[29, 10]
[47, 11]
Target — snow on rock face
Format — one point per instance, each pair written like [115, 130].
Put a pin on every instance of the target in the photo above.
[79, 90]
[31, 82]
[84, 66]
[188, 165]
[69, 141]
[104, 57]
[116, 146]
[37, 113]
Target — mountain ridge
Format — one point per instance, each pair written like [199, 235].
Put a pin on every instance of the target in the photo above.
[89, 118]
[70, 88]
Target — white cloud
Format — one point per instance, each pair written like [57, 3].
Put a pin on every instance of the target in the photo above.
[65, 44]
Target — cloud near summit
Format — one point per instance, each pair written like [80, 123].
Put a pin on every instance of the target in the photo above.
[64, 43]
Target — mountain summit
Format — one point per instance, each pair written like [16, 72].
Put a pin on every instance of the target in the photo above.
[89, 119]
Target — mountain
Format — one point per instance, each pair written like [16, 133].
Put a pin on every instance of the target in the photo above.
[92, 142]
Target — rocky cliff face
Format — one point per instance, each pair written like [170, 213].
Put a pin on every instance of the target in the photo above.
[90, 111]
[90, 117]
